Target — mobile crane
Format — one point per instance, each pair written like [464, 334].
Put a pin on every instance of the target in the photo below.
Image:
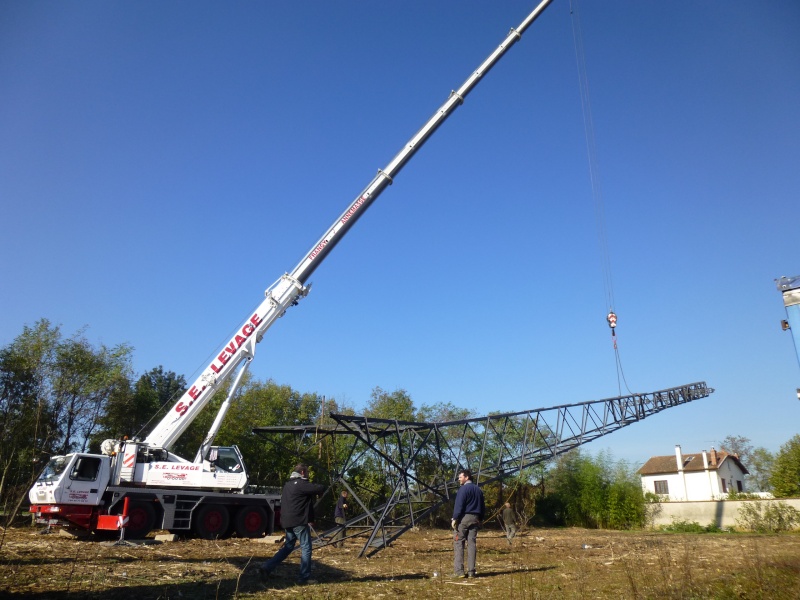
[208, 495]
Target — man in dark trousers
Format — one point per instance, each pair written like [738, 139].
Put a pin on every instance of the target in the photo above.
[340, 517]
[467, 516]
[297, 511]
[509, 522]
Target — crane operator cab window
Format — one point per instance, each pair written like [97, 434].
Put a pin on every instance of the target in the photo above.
[86, 469]
[226, 458]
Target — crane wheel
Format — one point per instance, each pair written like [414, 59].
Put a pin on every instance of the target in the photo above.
[141, 519]
[251, 522]
[211, 521]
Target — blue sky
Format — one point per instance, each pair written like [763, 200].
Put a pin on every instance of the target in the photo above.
[162, 163]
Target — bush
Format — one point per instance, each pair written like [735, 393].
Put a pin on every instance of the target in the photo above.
[690, 527]
[767, 517]
[683, 527]
[742, 496]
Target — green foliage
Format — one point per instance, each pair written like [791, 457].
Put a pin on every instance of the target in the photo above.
[785, 478]
[760, 465]
[395, 405]
[258, 404]
[592, 492]
[131, 410]
[53, 392]
[683, 526]
[766, 516]
[741, 496]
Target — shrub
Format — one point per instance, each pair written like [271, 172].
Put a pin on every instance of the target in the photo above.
[690, 527]
[767, 517]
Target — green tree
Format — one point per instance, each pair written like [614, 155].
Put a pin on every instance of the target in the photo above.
[592, 492]
[23, 437]
[395, 405]
[256, 404]
[133, 410]
[785, 478]
[82, 380]
[760, 467]
[54, 392]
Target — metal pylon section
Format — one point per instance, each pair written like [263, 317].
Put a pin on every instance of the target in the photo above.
[400, 472]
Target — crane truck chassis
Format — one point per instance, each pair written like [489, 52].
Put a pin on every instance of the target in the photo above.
[140, 485]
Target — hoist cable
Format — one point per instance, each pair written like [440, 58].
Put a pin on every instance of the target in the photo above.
[594, 174]
[597, 195]
[620, 373]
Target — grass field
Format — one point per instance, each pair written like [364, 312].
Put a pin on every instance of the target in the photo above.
[542, 563]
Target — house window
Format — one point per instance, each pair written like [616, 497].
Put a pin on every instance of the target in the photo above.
[724, 486]
[661, 486]
[739, 486]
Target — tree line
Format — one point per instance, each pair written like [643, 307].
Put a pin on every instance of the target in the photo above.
[60, 393]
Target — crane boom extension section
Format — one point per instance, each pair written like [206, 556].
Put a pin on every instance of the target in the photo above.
[288, 290]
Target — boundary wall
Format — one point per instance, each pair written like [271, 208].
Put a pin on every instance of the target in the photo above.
[722, 512]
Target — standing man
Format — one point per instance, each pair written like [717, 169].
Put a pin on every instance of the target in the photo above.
[467, 516]
[297, 511]
[509, 522]
[340, 516]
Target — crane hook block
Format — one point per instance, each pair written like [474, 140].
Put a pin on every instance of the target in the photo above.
[612, 319]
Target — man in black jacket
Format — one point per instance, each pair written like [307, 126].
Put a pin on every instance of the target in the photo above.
[297, 511]
[468, 513]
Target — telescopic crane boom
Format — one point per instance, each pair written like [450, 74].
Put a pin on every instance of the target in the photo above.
[139, 485]
[291, 288]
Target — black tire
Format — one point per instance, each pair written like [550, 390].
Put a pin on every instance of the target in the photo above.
[141, 519]
[251, 522]
[211, 521]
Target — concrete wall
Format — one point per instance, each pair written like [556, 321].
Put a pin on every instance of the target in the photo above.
[723, 513]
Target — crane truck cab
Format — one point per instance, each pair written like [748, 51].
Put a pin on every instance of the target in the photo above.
[70, 489]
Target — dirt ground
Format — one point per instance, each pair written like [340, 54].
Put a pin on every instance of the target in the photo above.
[541, 563]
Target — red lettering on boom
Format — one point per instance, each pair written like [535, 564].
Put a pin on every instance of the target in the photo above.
[224, 357]
[353, 209]
[237, 342]
[318, 249]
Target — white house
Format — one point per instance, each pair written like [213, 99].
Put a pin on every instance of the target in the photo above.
[688, 477]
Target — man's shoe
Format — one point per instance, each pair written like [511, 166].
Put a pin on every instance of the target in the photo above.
[472, 575]
[264, 574]
[458, 576]
[307, 582]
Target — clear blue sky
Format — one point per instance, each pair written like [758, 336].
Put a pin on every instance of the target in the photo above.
[162, 163]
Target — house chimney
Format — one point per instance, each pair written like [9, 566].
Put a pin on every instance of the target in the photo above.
[713, 457]
[678, 458]
[705, 460]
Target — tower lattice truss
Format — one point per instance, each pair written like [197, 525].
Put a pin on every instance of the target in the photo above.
[399, 473]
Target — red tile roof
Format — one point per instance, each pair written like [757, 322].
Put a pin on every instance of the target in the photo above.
[658, 465]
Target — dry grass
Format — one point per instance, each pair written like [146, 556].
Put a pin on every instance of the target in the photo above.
[542, 564]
